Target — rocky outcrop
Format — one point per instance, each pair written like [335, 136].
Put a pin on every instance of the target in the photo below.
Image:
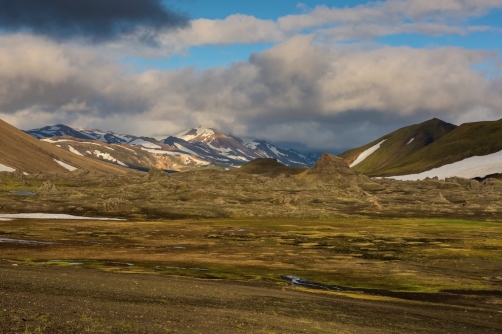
[48, 187]
[332, 169]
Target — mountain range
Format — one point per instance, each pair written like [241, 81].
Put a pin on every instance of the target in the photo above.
[191, 148]
[430, 149]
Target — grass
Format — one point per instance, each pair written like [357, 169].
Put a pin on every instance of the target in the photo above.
[408, 255]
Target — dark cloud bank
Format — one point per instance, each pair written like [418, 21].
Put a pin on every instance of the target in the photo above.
[96, 20]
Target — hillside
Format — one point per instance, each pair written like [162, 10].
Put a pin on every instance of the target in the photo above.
[20, 151]
[392, 149]
[142, 153]
[268, 167]
[466, 141]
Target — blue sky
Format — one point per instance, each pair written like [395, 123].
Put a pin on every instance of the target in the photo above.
[208, 56]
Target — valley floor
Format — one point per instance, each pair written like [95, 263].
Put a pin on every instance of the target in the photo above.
[224, 276]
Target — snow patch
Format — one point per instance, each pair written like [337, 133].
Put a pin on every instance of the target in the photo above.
[48, 216]
[276, 152]
[72, 150]
[477, 166]
[69, 167]
[177, 154]
[199, 131]
[366, 153]
[412, 139]
[108, 157]
[144, 143]
[4, 168]
[183, 148]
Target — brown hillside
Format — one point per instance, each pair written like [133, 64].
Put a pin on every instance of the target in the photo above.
[23, 152]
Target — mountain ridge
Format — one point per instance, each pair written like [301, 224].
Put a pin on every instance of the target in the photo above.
[210, 145]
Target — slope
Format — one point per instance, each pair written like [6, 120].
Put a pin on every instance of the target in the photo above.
[268, 167]
[393, 148]
[21, 151]
[468, 140]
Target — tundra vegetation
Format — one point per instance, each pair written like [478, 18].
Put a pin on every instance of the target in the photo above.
[209, 251]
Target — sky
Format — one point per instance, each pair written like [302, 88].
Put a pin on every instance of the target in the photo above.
[313, 75]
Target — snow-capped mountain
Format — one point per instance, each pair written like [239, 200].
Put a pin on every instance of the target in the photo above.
[285, 156]
[198, 147]
[215, 142]
[245, 150]
[60, 130]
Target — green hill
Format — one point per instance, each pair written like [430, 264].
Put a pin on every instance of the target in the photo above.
[397, 147]
[467, 140]
[268, 167]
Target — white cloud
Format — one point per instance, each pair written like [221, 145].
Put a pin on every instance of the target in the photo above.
[298, 90]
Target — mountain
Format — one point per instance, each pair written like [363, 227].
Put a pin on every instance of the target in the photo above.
[234, 148]
[377, 157]
[287, 156]
[190, 148]
[19, 151]
[61, 130]
[471, 150]
[141, 153]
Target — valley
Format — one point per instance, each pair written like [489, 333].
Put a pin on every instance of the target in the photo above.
[264, 248]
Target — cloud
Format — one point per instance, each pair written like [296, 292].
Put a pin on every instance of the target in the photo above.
[94, 20]
[368, 21]
[389, 12]
[328, 97]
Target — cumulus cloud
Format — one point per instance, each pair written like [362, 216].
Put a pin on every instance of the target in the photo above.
[300, 90]
[96, 20]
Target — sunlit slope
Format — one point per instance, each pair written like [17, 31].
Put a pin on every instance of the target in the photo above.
[21, 151]
[468, 140]
[397, 146]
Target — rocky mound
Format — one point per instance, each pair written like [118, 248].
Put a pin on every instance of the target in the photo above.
[331, 169]
[330, 165]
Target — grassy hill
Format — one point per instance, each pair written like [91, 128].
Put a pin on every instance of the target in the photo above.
[21, 151]
[469, 139]
[268, 167]
[398, 146]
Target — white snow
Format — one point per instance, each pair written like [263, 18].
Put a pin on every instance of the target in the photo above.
[183, 148]
[89, 152]
[48, 216]
[177, 154]
[144, 143]
[4, 168]
[108, 157]
[477, 166]
[276, 152]
[366, 153]
[122, 164]
[250, 143]
[50, 140]
[69, 167]
[199, 131]
[412, 139]
[74, 150]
